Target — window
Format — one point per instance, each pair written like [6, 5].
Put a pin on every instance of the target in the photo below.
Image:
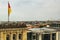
[20, 36]
[54, 36]
[14, 37]
[7, 37]
[45, 36]
[29, 36]
[34, 36]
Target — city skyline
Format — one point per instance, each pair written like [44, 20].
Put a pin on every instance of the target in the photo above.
[30, 10]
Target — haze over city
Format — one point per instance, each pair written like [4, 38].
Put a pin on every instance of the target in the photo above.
[30, 10]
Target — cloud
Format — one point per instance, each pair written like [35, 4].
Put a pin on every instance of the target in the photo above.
[35, 3]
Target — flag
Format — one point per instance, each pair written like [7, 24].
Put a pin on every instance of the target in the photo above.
[9, 9]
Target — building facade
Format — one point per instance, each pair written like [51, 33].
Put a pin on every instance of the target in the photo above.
[19, 31]
[43, 34]
[13, 34]
[13, 31]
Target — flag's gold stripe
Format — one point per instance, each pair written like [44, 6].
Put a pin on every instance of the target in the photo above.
[9, 11]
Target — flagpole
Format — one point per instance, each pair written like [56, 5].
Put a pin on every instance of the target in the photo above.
[8, 18]
[9, 11]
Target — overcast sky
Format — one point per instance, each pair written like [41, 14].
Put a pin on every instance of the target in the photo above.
[30, 10]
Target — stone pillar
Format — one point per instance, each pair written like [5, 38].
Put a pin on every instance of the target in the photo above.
[24, 35]
[17, 36]
[11, 36]
[40, 36]
[2, 36]
[56, 35]
[50, 36]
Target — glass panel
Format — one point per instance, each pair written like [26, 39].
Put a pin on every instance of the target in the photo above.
[29, 36]
[54, 36]
[34, 36]
[37, 36]
[45, 36]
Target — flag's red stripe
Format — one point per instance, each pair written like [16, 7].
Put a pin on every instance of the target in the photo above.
[8, 5]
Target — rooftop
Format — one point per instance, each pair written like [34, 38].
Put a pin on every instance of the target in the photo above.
[12, 25]
[43, 30]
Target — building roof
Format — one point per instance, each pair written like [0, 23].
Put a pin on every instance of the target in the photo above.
[12, 25]
[42, 30]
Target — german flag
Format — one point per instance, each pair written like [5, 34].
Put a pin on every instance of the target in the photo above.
[9, 9]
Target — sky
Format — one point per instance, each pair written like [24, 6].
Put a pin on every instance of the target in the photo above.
[30, 10]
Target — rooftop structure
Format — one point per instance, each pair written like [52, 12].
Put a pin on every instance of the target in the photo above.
[42, 30]
[12, 25]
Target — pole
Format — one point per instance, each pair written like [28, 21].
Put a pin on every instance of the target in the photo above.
[8, 12]
[8, 18]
